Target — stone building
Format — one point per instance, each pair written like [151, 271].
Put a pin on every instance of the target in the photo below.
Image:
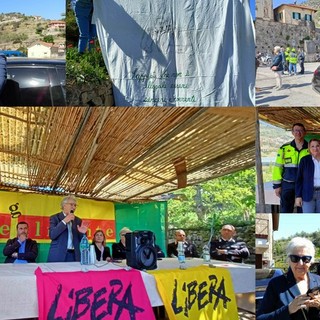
[264, 10]
[265, 225]
[294, 14]
[288, 25]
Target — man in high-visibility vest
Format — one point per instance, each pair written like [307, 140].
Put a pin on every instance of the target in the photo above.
[293, 59]
[286, 168]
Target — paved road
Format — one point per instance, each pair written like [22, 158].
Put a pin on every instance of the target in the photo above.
[296, 90]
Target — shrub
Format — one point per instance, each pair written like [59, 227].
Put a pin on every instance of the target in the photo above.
[86, 68]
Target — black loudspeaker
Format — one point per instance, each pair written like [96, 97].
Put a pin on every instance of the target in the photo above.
[140, 250]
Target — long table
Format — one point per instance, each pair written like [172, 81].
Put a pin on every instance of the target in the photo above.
[18, 291]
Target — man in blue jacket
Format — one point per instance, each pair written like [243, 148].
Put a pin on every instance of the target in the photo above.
[66, 231]
[21, 249]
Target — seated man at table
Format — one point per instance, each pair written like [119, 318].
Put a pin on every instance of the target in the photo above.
[226, 248]
[190, 249]
[119, 248]
[21, 249]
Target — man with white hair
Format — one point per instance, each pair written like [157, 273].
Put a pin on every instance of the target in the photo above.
[66, 231]
[226, 248]
[119, 248]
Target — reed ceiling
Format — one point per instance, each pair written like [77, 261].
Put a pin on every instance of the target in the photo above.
[124, 154]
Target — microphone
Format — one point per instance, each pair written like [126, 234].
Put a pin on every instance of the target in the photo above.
[71, 212]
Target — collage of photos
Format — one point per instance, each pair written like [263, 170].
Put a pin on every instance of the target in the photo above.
[160, 160]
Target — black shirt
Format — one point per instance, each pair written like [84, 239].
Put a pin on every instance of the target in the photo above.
[236, 250]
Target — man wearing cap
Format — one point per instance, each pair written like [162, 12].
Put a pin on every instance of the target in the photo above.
[226, 248]
[190, 249]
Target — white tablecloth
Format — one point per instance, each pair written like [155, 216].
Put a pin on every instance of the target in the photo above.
[18, 291]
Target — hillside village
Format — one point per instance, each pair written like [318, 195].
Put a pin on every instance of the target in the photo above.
[271, 138]
[34, 36]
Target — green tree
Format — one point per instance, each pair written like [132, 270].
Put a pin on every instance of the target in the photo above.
[39, 30]
[231, 198]
[72, 32]
[48, 39]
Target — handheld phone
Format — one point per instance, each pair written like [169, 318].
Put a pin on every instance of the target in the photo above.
[313, 291]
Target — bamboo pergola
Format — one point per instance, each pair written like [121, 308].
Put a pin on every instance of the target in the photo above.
[285, 117]
[124, 154]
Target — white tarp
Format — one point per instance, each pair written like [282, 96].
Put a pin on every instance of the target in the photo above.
[178, 52]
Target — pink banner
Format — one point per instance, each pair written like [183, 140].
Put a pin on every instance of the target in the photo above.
[110, 295]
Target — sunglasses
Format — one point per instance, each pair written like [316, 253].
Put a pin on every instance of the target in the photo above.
[305, 259]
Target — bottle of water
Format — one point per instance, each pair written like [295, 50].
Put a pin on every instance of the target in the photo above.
[84, 250]
[206, 254]
[181, 256]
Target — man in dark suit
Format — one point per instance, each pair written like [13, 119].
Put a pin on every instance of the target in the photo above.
[190, 249]
[226, 248]
[66, 231]
[21, 249]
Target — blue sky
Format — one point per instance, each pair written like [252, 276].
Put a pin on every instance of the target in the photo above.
[48, 9]
[277, 3]
[290, 223]
[252, 4]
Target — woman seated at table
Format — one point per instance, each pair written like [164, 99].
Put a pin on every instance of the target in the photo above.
[287, 296]
[308, 180]
[99, 242]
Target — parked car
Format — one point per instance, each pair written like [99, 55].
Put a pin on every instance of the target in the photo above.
[13, 53]
[315, 267]
[263, 276]
[34, 82]
[316, 80]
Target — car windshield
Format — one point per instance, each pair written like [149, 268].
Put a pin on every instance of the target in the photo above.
[30, 84]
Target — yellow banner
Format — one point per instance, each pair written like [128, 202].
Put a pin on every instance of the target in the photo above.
[37, 208]
[197, 293]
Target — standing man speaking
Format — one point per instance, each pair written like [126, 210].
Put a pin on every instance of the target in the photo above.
[286, 168]
[65, 232]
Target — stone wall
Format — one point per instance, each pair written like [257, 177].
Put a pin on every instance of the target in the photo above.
[89, 94]
[271, 33]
